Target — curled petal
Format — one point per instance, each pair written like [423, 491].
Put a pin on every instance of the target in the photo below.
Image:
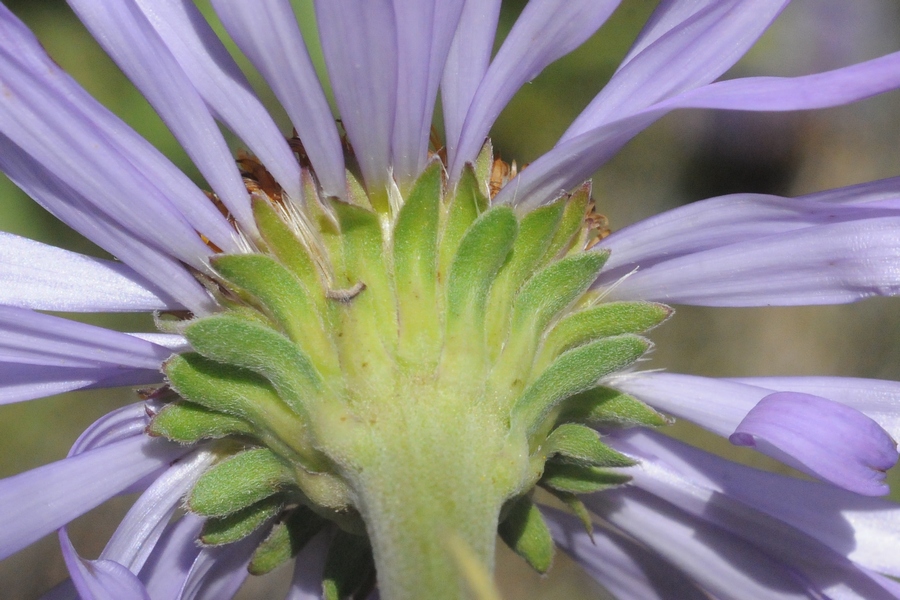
[100, 579]
[835, 442]
[875, 398]
[168, 566]
[308, 567]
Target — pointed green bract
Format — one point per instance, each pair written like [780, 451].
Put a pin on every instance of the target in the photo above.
[577, 507]
[415, 268]
[582, 445]
[284, 298]
[580, 479]
[286, 539]
[238, 525]
[575, 371]
[613, 318]
[535, 232]
[236, 341]
[285, 245]
[239, 482]
[481, 253]
[348, 566]
[571, 222]
[187, 423]
[467, 204]
[525, 532]
[606, 406]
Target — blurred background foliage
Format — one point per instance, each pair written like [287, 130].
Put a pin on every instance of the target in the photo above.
[685, 157]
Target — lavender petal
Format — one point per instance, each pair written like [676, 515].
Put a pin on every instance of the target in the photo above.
[168, 566]
[222, 85]
[267, 32]
[864, 529]
[467, 63]
[61, 490]
[684, 45]
[572, 161]
[132, 42]
[308, 567]
[833, 441]
[826, 264]
[61, 127]
[360, 45]
[625, 568]
[100, 579]
[425, 29]
[38, 276]
[545, 31]
[157, 265]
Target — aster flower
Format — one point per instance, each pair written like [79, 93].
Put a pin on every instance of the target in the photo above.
[371, 352]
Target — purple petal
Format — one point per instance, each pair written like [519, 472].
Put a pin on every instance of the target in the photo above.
[121, 424]
[720, 406]
[726, 220]
[38, 276]
[62, 128]
[154, 263]
[864, 529]
[308, 567]
[467, 63]
[132, 42]
[217, 573]
[222, 85]
[825, 264]
[573, 161]
[623, 567]
[545, 31]
[46, 354]
[267, 32]
[686, 44]
[727, 566]
[425, 29]
[100, 579]
[61, 492]
[719, 519]
[359, 41]
[833, 441]
[714, 404]
[137, 535]
[167, 567]
[877, 399]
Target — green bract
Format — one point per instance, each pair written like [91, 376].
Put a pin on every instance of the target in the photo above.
[409, 369]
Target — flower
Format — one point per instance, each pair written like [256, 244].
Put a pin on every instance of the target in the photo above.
[370, 353]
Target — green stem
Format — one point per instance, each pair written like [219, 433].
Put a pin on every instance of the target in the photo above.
[433, 479]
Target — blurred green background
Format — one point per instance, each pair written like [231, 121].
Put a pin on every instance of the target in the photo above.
[685, 157]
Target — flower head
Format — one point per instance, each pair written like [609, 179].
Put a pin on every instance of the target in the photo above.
[377, 351]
